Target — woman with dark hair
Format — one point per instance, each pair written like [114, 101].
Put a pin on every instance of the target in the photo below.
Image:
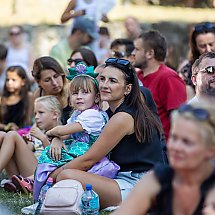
[16, 102]
[83, 55]
[202, 40]
[51, 80]
[132, 137]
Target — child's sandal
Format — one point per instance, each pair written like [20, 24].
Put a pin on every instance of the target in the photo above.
[24, 185]
[10, 187]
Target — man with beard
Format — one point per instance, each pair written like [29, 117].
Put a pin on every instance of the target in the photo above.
[203, 77]
[83, 33]
[167, 88]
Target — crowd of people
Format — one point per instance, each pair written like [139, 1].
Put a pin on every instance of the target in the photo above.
[65, 113]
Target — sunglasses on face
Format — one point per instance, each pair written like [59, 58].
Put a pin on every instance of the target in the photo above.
[204, 26]
[76, 61]
[209, 70]
[118, 54]
[14, 33]
[119, 61]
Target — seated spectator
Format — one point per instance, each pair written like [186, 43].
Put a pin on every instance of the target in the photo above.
[202, 40]
[83, 33]
[203, 77]
[181, 187]
[135, 147]
[16, 110]
[20, 51]
[132, 26]
[19, 157]
[82, 55]
[51, 80]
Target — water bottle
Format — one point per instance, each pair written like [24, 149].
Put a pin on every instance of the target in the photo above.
[90, 201]
[42, 195]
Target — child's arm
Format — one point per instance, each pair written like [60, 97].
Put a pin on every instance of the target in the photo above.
[62, 130]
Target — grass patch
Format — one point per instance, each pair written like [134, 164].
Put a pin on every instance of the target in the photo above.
[14, 202]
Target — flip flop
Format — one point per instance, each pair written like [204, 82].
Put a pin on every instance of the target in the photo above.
[10, 187]
[24, 185]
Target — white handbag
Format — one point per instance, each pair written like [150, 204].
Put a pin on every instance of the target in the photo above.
[63, 198]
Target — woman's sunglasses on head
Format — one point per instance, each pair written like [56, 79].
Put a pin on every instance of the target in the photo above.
[199, 113]
[119, 61]
[204, 26]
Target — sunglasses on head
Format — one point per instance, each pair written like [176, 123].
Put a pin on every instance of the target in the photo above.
[204, 26]
[209, 70]
[199, 113]
[119, 61]
[76, 61]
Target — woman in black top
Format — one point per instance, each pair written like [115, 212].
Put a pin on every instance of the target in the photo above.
[181, 187]
[131, 137]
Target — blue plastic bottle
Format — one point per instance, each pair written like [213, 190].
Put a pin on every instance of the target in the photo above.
[90, 201]
[42, 195]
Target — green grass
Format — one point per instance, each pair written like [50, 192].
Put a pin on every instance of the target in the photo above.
[14, 202]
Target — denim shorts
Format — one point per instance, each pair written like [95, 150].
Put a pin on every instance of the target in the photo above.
[127, 181]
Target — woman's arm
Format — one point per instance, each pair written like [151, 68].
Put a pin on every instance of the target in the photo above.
[118, 126]
[140, 199]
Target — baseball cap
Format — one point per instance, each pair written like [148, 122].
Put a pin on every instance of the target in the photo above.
[86, 25]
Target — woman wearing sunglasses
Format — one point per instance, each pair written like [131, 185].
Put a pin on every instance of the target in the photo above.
[132, 137]
[181, 187]
[82, 55]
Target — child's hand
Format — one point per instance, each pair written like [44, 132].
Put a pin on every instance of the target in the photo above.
[28, 138]
[55, 148]
[36, 132]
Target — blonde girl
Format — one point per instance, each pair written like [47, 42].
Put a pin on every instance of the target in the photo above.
[19, 157]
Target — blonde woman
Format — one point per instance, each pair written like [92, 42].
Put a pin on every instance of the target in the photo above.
[181, 187]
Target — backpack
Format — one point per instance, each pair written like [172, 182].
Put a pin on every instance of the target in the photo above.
[63, 198]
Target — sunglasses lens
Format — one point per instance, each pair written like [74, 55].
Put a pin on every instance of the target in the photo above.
[210, 69]
[201, 114]
[76, 61]
[184, 108]
[118, 54]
